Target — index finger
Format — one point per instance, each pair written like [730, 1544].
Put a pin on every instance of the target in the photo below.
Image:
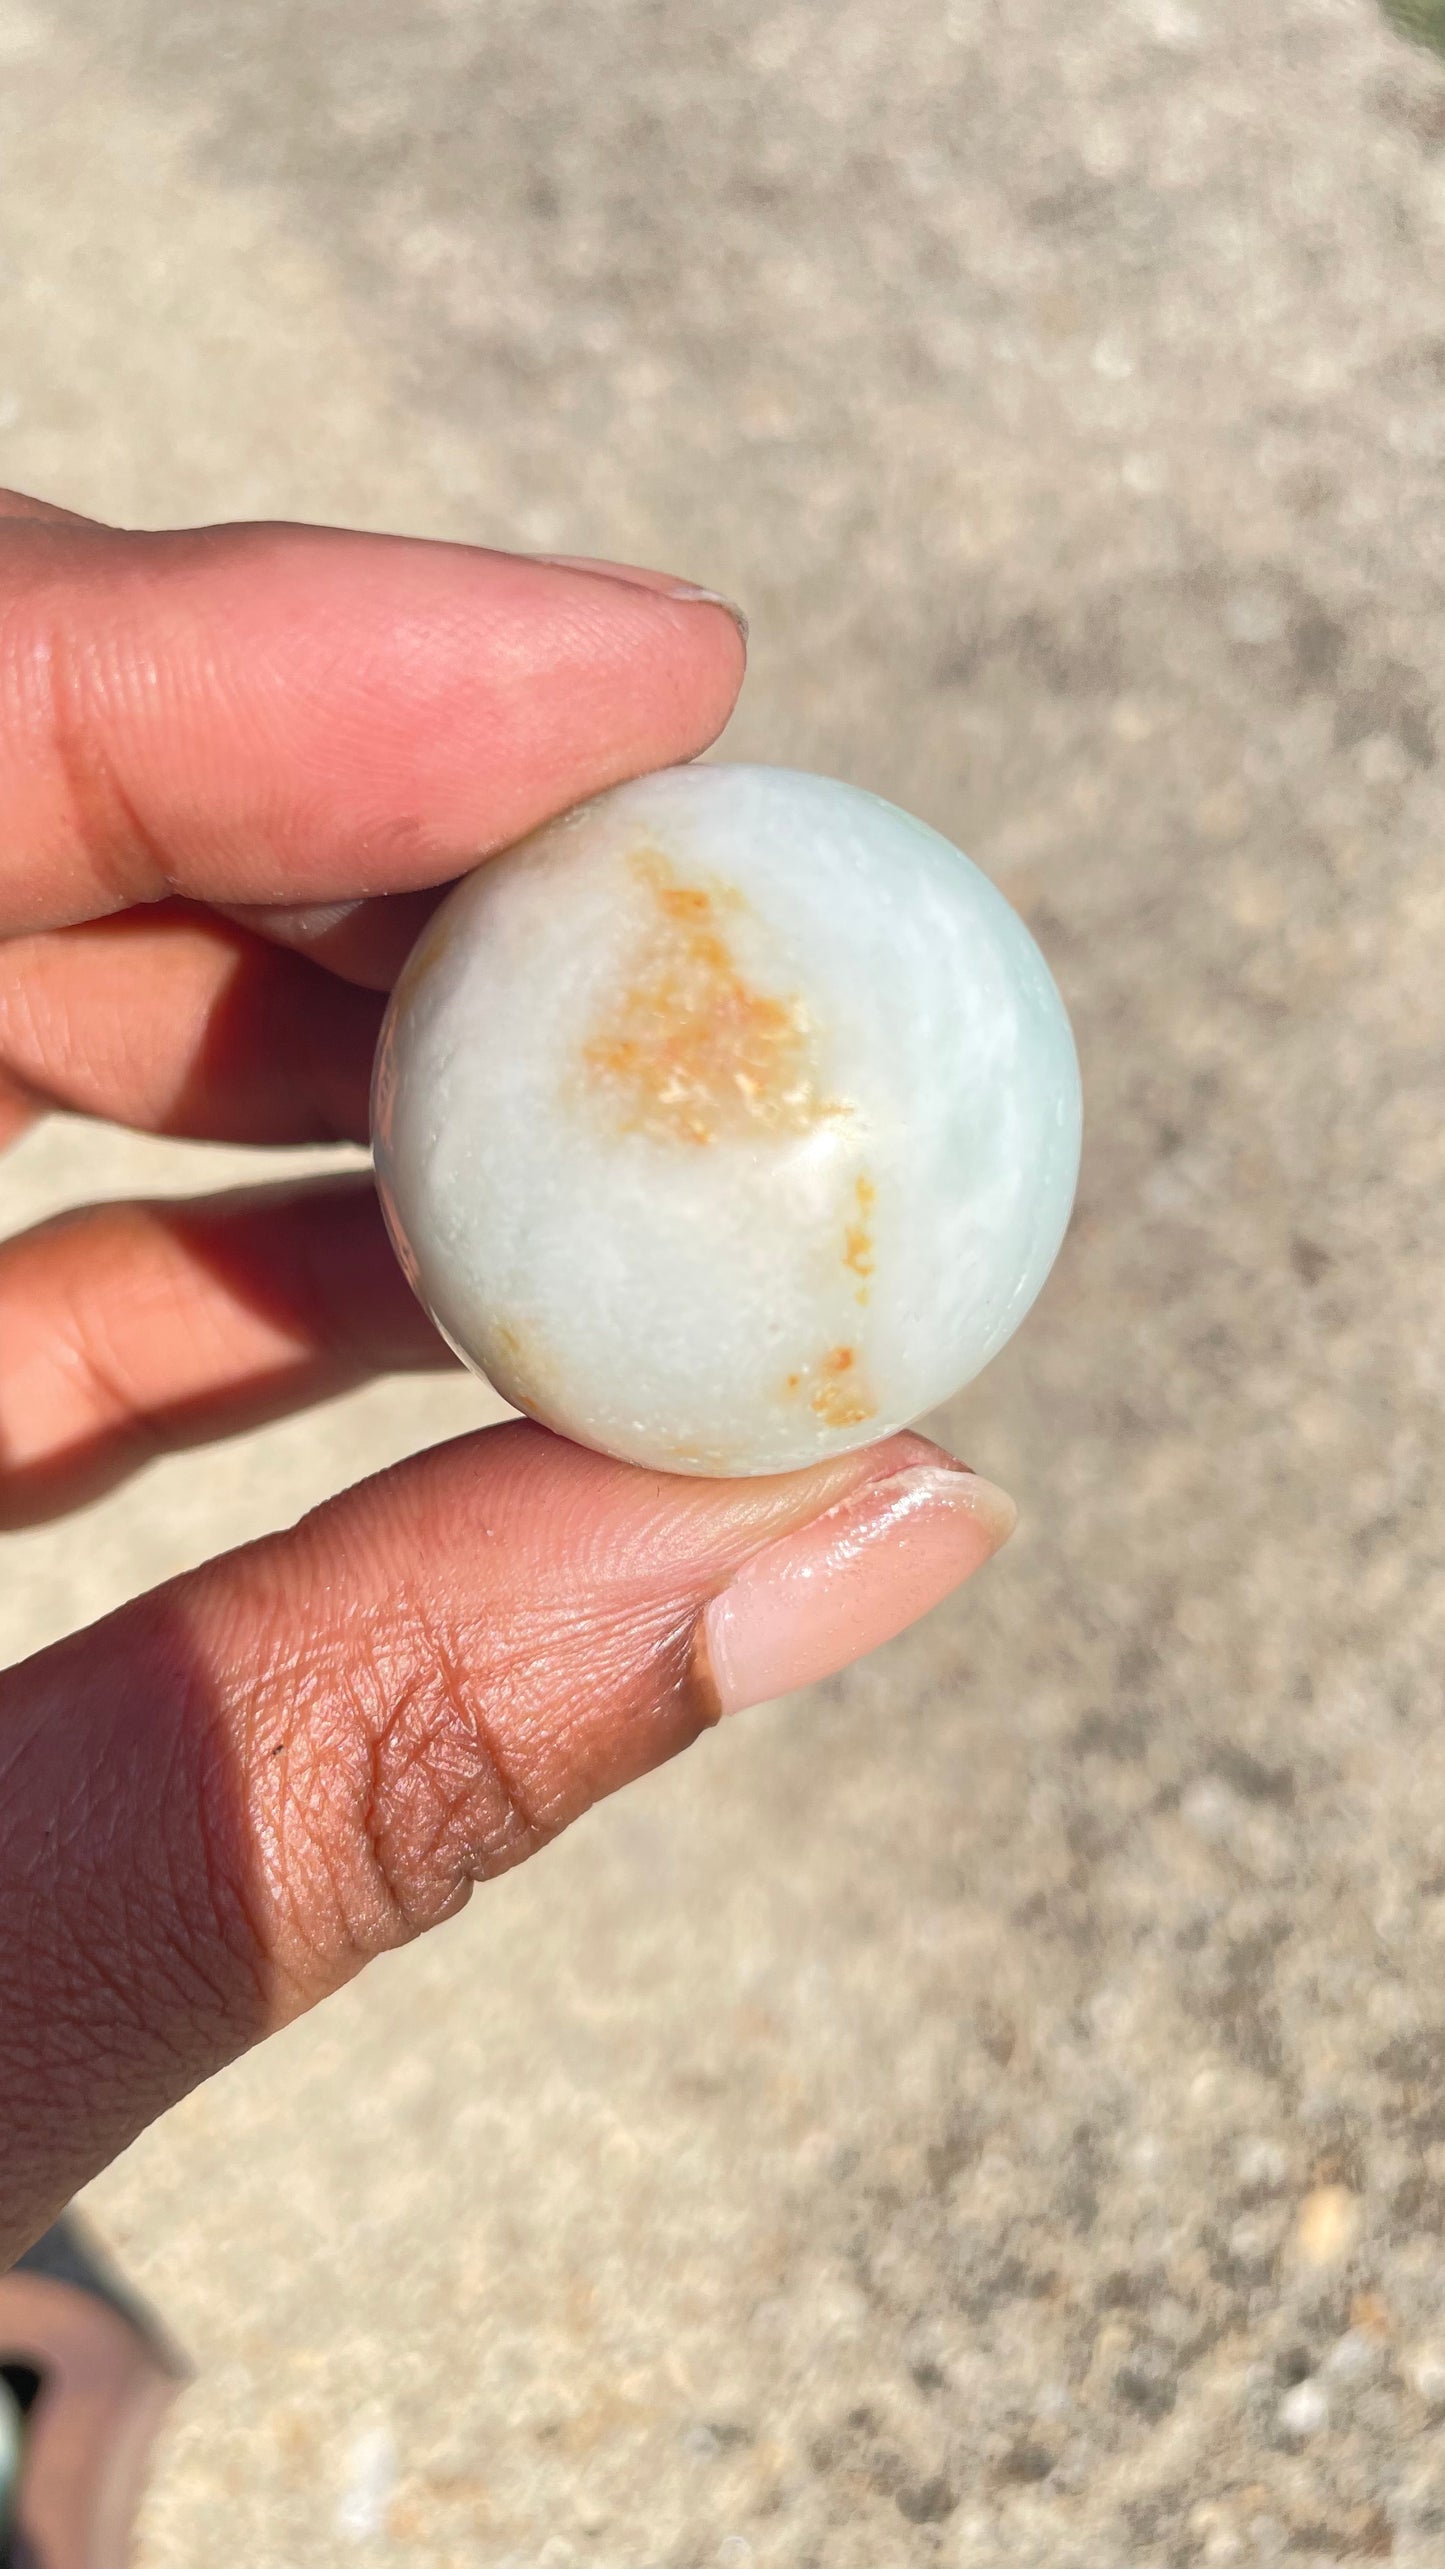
[287, 714]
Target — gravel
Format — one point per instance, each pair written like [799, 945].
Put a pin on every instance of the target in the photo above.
[993, 2110]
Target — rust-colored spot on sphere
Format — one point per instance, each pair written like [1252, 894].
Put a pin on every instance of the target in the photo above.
[529, 1371]
[836, 1389]
[689, 1051]
[858, 1253]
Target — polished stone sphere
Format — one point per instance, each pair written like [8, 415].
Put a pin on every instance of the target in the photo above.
[728, 1122]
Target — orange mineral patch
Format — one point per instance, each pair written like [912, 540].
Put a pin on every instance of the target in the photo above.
[837, 1391]
[858, 1235]
[689, 1051]
[524, 1359]
[424, 957]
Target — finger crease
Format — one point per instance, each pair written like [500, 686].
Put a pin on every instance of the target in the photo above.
[516, 1824]
[118, 843]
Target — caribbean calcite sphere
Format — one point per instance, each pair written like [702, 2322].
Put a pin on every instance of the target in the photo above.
[728, 1122]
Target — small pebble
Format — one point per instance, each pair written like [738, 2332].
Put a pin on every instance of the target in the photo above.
[1351, 2356]
[1211, 1810]
[1252, 2243]
[1304, 2410]
[369, 2479]
[1328, 2225]
[1261, 2165]
[1424, 2370]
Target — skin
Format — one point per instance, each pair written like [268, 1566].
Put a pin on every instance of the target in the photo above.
[235, 764]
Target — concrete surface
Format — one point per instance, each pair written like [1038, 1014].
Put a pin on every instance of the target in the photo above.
[992, 2110]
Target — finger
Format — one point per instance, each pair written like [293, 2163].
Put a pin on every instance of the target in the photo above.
[175, 1021]
[130, 1330]
[369, 941]
[646, 579]
[20, 504]
[222, 1801]
[273, 714]
[17, 1112]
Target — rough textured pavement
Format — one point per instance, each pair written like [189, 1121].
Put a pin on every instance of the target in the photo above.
[991, 2110]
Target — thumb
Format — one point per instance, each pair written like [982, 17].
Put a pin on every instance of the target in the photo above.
[221, 1802]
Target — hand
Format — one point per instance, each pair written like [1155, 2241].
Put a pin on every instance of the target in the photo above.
[234, 764]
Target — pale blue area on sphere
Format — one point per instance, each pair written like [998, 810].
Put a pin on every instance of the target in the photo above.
[682, 1306]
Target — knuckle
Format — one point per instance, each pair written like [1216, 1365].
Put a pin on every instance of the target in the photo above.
[84, 689]
[436, 1794]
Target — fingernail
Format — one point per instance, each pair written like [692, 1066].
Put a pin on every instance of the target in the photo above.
[697, 597]
[660, 582]
[820, 1598]
[294, 923]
